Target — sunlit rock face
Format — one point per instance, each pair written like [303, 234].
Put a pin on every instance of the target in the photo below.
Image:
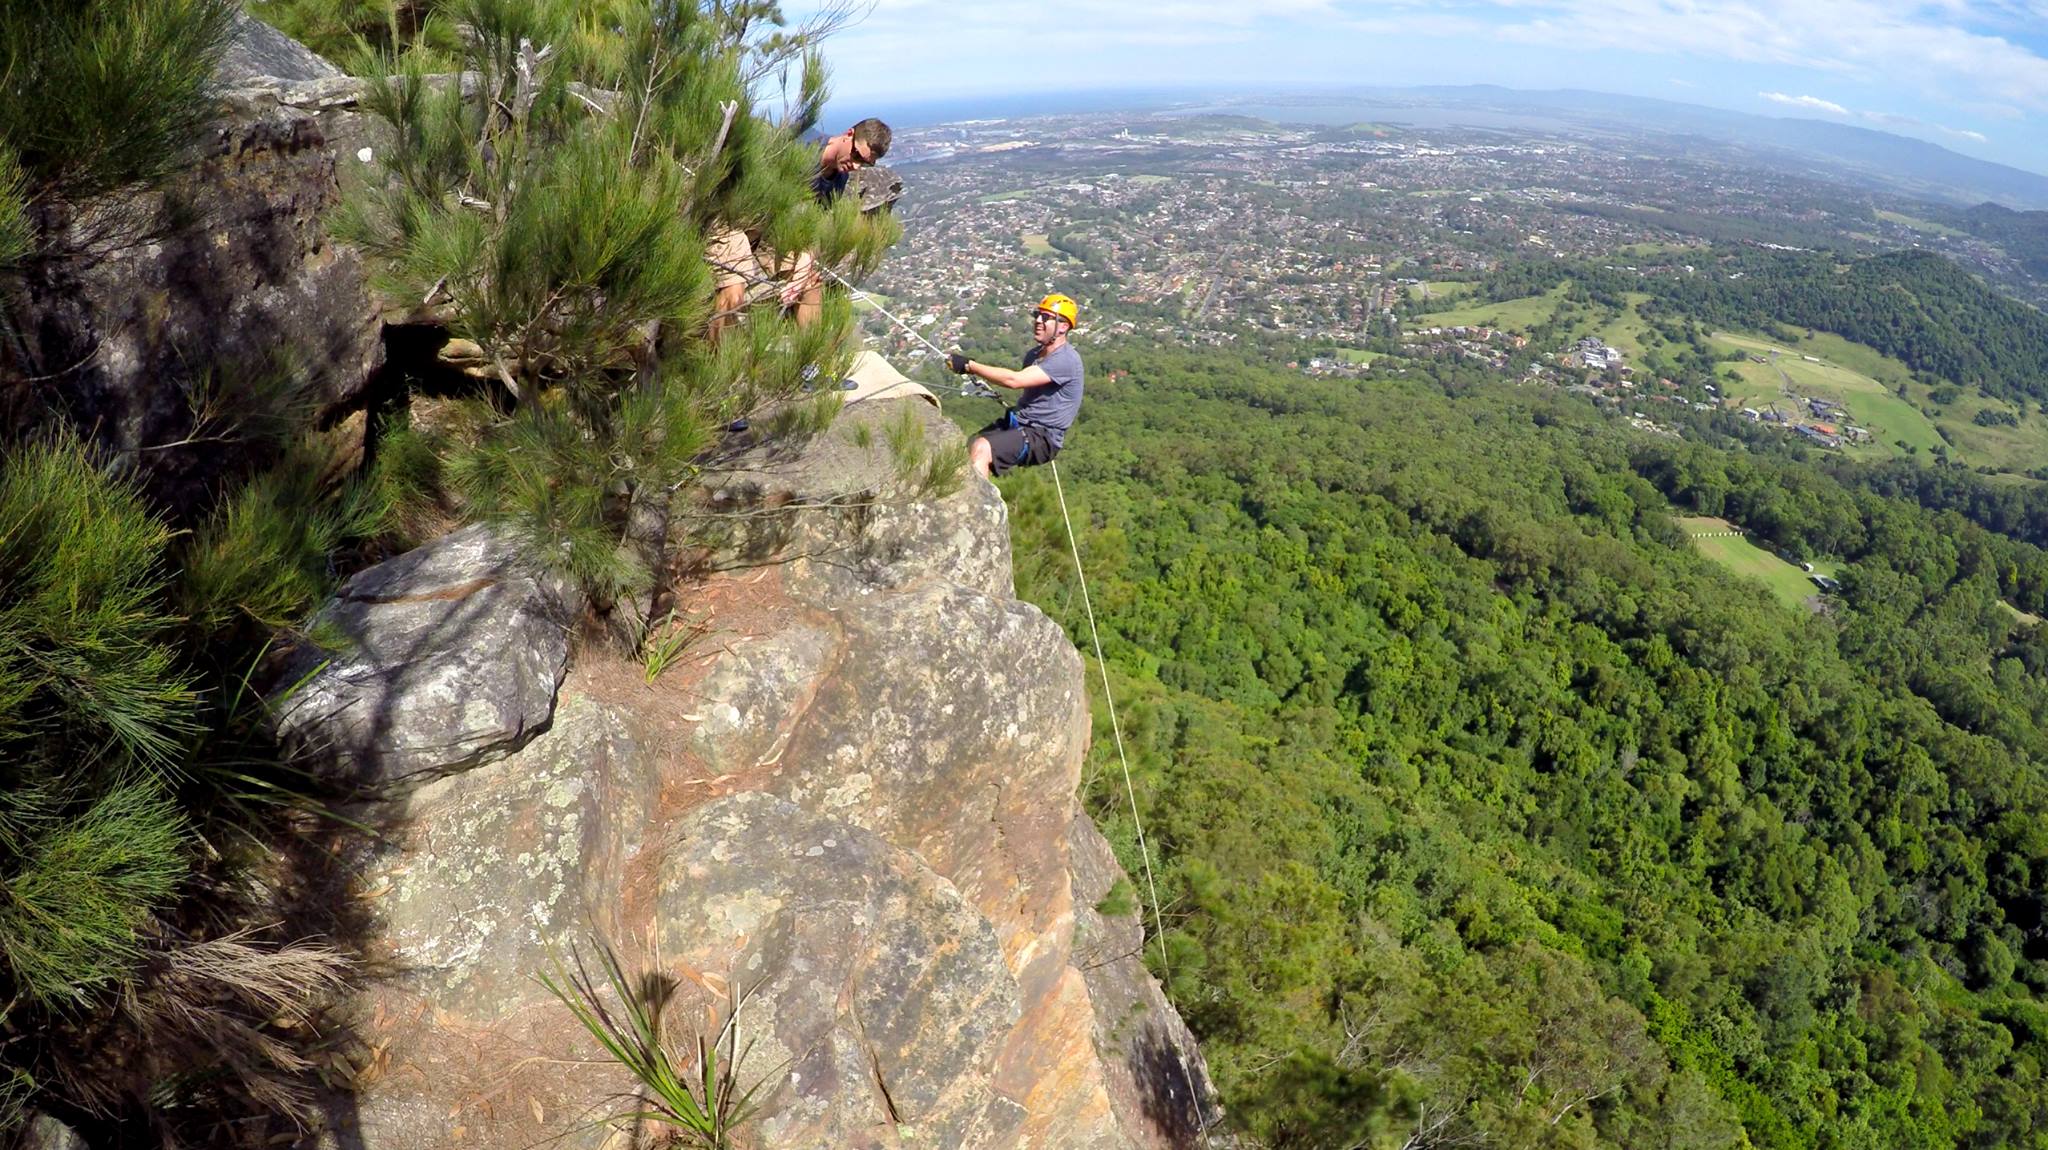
[848, 809]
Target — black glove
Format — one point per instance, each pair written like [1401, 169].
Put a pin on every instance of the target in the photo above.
[958, 363]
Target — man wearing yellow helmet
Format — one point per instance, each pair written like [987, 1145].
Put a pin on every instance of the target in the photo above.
[1051, 378]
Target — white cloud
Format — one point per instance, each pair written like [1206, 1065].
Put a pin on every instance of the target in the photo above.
[1969, 55]
[1812, 103]
[1958, 51]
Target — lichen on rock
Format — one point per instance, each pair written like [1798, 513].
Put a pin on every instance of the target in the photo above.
[850, 808]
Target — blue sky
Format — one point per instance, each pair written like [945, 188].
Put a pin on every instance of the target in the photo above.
[1971, 75]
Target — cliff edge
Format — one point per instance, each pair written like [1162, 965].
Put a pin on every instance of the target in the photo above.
[850, 804]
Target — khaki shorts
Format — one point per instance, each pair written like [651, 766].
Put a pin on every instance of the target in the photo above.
[737, 261]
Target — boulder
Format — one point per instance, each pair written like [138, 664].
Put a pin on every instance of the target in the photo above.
[878, 187]
[452, 657]
[226, 273]
[481, 882]
[257, 52]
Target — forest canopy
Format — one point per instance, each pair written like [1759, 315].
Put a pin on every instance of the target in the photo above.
[1489, 812]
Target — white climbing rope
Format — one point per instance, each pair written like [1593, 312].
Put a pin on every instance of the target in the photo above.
[1116, 731]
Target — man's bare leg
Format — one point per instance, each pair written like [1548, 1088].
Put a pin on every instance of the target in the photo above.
[981, 455]
[730, 299]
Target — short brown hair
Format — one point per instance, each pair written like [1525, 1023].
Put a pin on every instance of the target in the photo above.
[875, 135]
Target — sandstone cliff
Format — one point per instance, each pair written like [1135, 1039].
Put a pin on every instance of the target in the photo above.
[853, 801]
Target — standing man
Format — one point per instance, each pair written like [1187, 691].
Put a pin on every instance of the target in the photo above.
[1034, 431]
[743, 272]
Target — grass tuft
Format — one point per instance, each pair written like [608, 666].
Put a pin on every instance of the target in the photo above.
[703, 1104]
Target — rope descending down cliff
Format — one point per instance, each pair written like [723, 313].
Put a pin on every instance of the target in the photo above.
[970, 386]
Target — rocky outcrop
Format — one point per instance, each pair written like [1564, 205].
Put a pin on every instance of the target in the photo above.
[450, 656]
[849, 810]
[227, 273]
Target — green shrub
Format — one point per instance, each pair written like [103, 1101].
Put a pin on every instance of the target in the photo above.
[82, 883]
[569, 246]
[341, 29]
[95, 715]
[265, 555]
[16, 237]
[98, 96]
[84, 655]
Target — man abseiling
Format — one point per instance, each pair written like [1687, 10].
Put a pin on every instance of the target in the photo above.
[743, 273]
[1034, 431]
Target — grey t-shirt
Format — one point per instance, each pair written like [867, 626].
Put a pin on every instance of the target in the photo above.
[1053, 406]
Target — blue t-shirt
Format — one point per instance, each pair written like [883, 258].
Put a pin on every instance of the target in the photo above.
[1053, 406]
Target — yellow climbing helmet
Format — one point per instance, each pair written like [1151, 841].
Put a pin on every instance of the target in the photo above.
[1063, 307]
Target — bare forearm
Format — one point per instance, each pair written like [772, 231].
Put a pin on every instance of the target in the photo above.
[999, 376]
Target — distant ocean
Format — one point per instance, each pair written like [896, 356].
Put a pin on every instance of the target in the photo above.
[1319, 108]
[924, 113]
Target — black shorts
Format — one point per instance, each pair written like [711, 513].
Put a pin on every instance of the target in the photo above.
[1021, 445]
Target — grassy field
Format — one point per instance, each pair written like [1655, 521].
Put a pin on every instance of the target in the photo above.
[1625, 330]
[1862, 378]
[1004, 197]
[1896, 426]
[2015, 449]
[1918, 224]
[1647, 250]
[869, 300]
[1354, 355]
[1148, 179]
[1035, 243]
[1439, 292]
[2003, 449]
[1508, 315]
[1723, 542]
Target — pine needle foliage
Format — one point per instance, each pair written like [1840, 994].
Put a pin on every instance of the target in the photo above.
[81, 887]
[84, 643]
[95, 714]
[101, 95]
[265, 557]
[553, 207]
[16, 236]
[113, 763]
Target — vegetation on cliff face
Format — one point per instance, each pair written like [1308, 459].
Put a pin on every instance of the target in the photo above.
[1488, 812]
[150, 988]
[558, 219]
